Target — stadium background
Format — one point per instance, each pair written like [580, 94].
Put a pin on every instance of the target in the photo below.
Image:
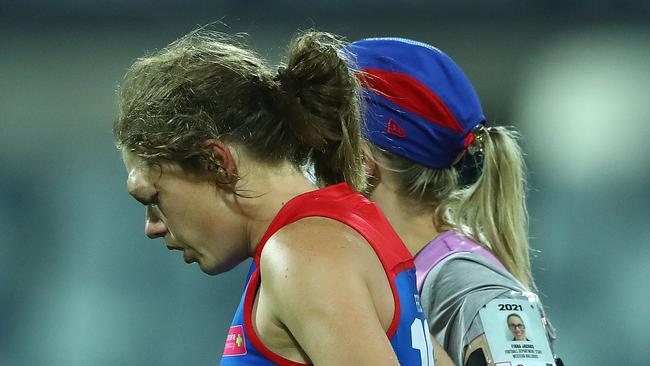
[81, 285]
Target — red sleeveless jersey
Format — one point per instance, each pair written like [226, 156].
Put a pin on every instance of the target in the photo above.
[408, 332]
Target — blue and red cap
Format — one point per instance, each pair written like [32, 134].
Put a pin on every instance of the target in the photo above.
[420, 104]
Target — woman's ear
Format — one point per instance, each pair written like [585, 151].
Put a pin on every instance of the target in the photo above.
[223, 155]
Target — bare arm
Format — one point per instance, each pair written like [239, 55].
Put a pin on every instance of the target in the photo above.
[441, 358]
[478, 343]
[313, 277]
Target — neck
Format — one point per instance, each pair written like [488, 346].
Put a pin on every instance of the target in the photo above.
[267, 189]
[414, 227]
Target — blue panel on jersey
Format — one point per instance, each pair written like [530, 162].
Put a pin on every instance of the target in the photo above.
[411, 341]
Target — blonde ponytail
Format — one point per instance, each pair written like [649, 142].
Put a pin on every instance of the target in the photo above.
[493, 209]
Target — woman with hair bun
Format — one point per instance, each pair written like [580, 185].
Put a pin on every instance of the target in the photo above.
[470, 240]
[214, 141]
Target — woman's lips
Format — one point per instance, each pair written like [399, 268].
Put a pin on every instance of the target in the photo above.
[188, 258]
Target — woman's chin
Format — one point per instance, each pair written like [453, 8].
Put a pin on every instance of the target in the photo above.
[211, 268]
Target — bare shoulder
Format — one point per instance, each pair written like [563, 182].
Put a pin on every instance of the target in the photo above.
[313, 252]
[316, 240]
[314, 281]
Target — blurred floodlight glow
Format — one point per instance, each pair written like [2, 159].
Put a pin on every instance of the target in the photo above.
[584, 108]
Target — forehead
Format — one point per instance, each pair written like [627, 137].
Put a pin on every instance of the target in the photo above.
[138, 173]
[514, 319]
[131, 160]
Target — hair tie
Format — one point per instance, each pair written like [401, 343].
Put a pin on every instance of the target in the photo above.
[477, 140]
[287, 83]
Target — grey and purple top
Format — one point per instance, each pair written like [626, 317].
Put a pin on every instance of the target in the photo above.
[456, 277]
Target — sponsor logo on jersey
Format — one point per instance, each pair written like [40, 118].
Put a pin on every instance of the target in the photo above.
[235, 345]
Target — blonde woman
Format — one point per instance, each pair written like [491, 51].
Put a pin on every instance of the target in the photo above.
[470, 242]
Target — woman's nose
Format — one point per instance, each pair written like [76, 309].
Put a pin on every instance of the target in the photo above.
[154, 227]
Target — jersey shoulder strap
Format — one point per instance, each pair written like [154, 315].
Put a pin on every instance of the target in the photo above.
[441, 247]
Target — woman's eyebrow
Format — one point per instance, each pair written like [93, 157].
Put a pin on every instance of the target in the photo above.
[141, 200]
[145, 201]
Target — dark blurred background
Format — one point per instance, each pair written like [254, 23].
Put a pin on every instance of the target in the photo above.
[81, 285]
